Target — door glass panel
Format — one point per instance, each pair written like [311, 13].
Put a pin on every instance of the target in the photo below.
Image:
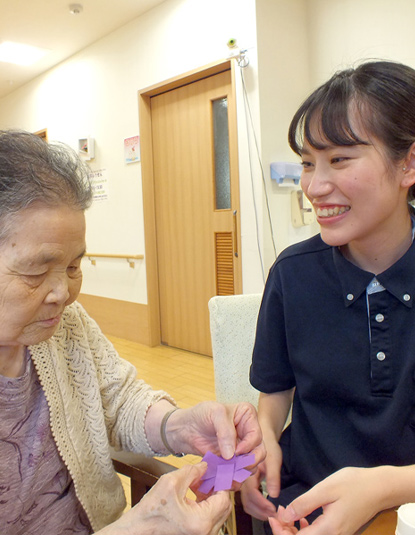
[221, 149]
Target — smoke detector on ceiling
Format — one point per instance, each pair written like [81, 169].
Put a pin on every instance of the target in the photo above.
[75, 9]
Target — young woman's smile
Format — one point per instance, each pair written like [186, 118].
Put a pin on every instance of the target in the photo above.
[329, 211]
[359, 202]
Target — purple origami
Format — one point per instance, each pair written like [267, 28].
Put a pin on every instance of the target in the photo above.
[222, 472]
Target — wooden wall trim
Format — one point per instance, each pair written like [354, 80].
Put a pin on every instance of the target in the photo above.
[149, 213]
[187, 78]
[122, 319]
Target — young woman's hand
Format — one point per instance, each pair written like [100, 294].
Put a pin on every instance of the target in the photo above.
[253, 500]
[280, 527]
[349, 498]
[273, 411]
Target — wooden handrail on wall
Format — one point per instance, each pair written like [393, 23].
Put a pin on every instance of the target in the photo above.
[130, 258]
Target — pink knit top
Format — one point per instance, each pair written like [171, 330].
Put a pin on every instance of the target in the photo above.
[37, 494]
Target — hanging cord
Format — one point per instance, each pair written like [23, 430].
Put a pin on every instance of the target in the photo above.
[248, 114]
[253, 194]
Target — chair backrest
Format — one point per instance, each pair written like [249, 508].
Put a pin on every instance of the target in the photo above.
[232, 325]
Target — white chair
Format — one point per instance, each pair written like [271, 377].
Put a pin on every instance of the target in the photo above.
[232, 325]
[233, 321]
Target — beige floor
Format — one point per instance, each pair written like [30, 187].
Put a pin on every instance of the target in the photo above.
[186, 376]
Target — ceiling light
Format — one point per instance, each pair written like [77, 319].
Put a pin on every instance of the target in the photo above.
[20, 54]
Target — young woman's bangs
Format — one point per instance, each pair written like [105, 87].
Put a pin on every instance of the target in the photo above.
[324, 120]
[330, 125]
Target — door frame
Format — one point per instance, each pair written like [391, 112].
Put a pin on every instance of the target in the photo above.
[147, 175]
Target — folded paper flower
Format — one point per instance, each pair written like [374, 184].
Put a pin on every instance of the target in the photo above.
[222, 472]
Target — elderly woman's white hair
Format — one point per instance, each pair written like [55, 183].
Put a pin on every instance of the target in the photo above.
[32, 170]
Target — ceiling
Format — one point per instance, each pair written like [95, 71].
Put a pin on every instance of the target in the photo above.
[49, 24]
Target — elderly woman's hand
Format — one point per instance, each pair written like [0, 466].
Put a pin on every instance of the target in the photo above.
[223, 429]
[166, 510]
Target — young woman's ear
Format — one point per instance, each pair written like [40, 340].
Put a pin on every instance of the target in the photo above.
[408, 168]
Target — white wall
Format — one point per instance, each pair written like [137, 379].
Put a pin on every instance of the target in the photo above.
[344, 32]
[284, 81]
[95, 93]
[293, 45]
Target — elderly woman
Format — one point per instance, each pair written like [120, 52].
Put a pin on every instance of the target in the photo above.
[65, 394]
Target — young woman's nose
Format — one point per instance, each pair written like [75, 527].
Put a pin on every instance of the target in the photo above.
[316, 184]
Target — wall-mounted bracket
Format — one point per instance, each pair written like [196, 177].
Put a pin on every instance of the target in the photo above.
[286, 173]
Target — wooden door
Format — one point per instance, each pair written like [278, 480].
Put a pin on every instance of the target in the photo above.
[196, 230]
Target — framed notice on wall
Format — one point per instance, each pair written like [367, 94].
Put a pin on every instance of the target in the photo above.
[86, 148]
[99, 181]
[132, 149]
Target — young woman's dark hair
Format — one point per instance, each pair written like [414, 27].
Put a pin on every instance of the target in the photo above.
[382, 93]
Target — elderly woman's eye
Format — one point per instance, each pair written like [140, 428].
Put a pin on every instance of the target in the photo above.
[74, 269]
[34, 279]
[36, 275]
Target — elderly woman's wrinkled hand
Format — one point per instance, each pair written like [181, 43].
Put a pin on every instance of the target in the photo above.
[225, 430]
[166, 508]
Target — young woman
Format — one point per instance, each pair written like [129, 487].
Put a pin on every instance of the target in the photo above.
[336, 327]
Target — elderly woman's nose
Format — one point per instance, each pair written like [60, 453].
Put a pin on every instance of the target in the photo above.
[59, 288]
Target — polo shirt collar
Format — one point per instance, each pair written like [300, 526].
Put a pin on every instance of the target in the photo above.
[399, 279]
[353, 280]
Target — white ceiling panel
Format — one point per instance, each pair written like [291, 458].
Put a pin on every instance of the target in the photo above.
[49, 24]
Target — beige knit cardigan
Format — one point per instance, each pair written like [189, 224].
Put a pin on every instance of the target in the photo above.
[94, 401]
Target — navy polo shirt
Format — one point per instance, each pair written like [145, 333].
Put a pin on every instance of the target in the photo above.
[351, 357]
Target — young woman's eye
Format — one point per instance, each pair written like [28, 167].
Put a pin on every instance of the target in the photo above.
[306, 165]
[339, 159]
